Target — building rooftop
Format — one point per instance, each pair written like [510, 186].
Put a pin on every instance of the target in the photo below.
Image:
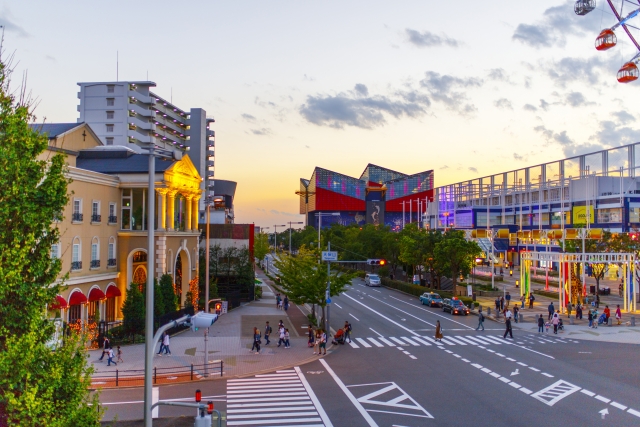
[118, 161]
[53, 130]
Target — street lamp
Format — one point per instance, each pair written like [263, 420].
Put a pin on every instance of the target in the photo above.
[290, 233]
[320, 215]
[275, 235]
[446, 224]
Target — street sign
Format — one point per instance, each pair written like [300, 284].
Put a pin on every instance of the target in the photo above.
[328, 300]
[329, 256]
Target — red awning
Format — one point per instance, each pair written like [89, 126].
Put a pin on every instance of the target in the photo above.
[113, 291]
[96, 295]
[77, 298]
[60, 303]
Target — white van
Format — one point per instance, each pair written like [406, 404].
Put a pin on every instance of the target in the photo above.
[372, 279]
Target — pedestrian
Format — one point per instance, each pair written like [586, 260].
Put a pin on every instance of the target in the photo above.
[501, 303]
[267, 332]
[278, 301]
[507, 314]
[347, 331]
[522, 298]
[316, 345]
[167, 350]
[531, 300]
[110, 358]
[607, 313]
[438, 331]
[595, 318]
[551, 309]
[286, 303]
[323, 342]
[286, 339]
[540, 324]
[105, 348]
[555, 320]
[161, 344]
[569, 308]
[256, 341]
[120, 355]
[501, 272]
[497, 302]
[281, 336]
[310, 336]
[579, 311]
[516, 309]
[590, 318]
[509, 330]
[480, 319]
[280, 324]
[508, 298]
[618, 314]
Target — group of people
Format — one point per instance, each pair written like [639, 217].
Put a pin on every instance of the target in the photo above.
[164, 345]
[282, 304]
[283, 336]
[107, 350]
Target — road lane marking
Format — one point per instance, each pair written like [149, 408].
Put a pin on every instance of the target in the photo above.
[522, 364]
[456, 340]
[354, 345]
[363, 342]
[534, 369]
[398, 341]
[413, 357]
[420, 340]
[555, 392]
[525, 390]
[337, 305]
[382, 315]
[547, 375]
[376, 343]
[410, 342]
[377, 333]
[387, 342]
[314, 398]
[587, 392]
[354, 317]
[618, 405]
[514, 385]
[633, 412]
[428, 311]
[602, 399]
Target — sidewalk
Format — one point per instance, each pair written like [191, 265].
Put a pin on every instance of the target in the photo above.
[230, 340]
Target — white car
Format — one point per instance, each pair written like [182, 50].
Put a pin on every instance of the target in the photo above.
[372, 280]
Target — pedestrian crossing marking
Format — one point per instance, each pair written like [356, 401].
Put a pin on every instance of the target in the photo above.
[555, 392]
[387, 342]
[363, 342]
[411, 342]
[479, 341]
[374, 342]
[398, 341]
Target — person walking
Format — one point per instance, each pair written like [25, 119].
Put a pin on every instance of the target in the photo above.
[286, 303]
[551, 309]
[508, 315]
[110, 358]
[256, 341]
[522, 299]
[501, 303]
[607, 313]
[497, 302]
[531, 300]
[516, 309]
[316, 345]
[267, 332]
[480, 319]
[161, 344]
[555, 319]
[120, 355]
[595, 318]
[323, 342]
[618, 314]
[579, 311]
[438, 331]
[569, 308]
[167, 350]
[310, 336]
[281, 336]
[590, 318]
[347, 331]
[508, 299]
[278, 301]
[540, 324]
[286, 339]
[509, 330]
[106, 345]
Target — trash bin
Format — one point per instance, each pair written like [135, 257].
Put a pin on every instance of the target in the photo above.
[473, 296]
[592, 289]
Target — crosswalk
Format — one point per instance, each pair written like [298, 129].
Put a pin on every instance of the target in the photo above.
[281, 399]
[451, 340]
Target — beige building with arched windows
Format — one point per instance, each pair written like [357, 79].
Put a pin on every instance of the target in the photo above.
[103, 245]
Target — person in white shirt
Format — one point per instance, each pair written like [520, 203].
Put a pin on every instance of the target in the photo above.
[281, 340]
[165, 342]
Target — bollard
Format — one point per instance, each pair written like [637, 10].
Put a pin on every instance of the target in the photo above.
[633, 320]
[571, 322]
[117, 376]
[489, 311]
[610, 321]
[520, 318]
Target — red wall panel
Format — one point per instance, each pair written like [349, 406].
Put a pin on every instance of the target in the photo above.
[395, 205]
[329, 201]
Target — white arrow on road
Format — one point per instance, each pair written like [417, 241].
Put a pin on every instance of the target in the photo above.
[604, 412]
[515, 372]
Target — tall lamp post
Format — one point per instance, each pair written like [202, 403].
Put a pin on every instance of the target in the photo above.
[290, 223]
[149, 344]
[275, 235]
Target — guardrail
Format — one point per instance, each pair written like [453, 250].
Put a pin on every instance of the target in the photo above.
[170, 375]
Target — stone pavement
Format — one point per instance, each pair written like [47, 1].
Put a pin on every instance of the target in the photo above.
[230, 340]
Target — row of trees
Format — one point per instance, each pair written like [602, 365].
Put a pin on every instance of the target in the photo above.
[229, 268]
[165, 301]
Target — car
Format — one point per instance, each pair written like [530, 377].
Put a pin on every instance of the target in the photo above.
[372, 279]
[454, 306]
[431, 299]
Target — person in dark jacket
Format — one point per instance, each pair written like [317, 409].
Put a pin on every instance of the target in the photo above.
[509, 331]
[551, 310]
[540, 324]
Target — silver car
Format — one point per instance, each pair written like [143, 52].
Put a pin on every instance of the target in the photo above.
[372, 279]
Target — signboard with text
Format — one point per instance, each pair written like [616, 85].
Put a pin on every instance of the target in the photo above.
[329, 256]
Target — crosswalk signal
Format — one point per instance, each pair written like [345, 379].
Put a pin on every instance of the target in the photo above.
[378, 262]
[218, 307]
[202, 320]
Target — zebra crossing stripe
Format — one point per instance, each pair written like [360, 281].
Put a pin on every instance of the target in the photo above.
[467, 340]
[446, 341]
[363, 343]
[354, 345]
[420, 340]
[457, 341]
[387, 342]
[432, 340]
[376, 343]
[410, 342]
[398, 341]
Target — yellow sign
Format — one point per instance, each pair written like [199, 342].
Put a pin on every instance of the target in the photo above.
[580, 215]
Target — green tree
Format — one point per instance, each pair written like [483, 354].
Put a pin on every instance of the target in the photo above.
[37, 386]
[456, 254]
[169, 297]
[158, 300]
[133, 311]
[261, 247]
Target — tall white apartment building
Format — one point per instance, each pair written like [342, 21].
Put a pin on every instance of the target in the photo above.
[129, 114]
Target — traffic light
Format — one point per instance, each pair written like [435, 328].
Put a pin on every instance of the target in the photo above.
[218, 307]
[202, 320]
[379, 262]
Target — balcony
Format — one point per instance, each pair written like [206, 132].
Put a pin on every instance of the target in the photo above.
[77, 217]
[96, 218]
[111, 262]
[113, 219]
[95, 263]
[76, 265]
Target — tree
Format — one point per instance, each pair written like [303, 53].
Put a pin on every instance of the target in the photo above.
[261, 247]
[169, 296]
[37, 386]
[603, 245]
[456, 254]
[133, 311]
[158, 300]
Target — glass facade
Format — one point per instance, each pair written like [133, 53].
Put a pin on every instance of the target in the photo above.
[338, 183]
[380, 175]
[410, 185]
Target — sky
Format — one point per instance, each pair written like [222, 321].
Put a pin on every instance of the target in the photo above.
[465, 88]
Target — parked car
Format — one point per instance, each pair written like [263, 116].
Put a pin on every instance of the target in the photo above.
[454, 306]
[431, 299]
[372, 279]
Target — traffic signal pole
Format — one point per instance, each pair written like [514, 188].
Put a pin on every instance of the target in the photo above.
[328, 293]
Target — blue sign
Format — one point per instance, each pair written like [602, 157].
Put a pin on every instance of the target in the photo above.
[328, 300]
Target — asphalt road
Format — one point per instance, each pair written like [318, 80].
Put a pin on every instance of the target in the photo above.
[394, 374]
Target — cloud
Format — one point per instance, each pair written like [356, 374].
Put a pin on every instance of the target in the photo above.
[356, 108]
[544, 105]
[265, 104]
[529, 107]
[518, 157]
[562, 138]
[576, 99]
[623, 117]
[556, 24]
[498, 74]
[611, 134]
[261, 210]
[444, 167]
[428, 39]
[5, 21]
[275, 212]
[309, 78]
[261, 132]
[446, 89]
[472, 169]
[586, 70]
[503, 103]
[248, 117]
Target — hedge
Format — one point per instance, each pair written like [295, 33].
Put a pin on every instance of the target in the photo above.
[553, 295]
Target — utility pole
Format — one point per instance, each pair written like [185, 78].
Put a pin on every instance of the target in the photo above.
[328, 293]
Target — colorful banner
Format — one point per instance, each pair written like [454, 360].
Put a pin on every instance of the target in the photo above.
[580, 215]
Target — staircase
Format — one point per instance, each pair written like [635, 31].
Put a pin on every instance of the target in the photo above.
[485, 245]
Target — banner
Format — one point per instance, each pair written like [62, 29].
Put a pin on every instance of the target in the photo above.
[580, 215]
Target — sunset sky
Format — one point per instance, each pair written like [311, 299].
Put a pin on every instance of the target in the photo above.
[466, 88]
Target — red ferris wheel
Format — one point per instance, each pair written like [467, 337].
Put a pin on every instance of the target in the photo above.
[624, 11]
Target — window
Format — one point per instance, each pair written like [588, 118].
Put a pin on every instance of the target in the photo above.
[112, 213]
[634, 214]
[77, 210]
[55, 251]
[110, 140]
[75, 256]
[76, 262]
[110, 128]
[607, 216]
[95, 208]
[111, 102]
[111, 88]
[110, 114]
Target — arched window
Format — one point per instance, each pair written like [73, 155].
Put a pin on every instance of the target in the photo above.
[76, 254]
[111, 254]
[95, 252]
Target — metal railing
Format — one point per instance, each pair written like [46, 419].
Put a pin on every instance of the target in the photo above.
[76, 265]
[96, 218]
[111, 262]
[95, 263]
[173, 374]
[77, 217]
[113, 219]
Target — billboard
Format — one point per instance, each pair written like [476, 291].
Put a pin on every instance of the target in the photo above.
[580, 215]
[375, 212]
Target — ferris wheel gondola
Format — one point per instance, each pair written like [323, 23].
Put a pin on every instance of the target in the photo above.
[607, 37]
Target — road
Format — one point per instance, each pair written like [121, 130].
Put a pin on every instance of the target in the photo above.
[394, 374]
